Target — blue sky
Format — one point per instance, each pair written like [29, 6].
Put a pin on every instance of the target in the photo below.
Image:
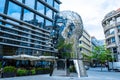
[92, 13]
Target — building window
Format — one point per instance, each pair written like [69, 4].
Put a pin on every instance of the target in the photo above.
[20, 1]
[111, 31]
[49, 13]
[118, 28]
[44, 0]
[113, 39]
[80, 49]
[14, 10]
[48, 23]
[56, 5]
[54, 13]
[40, 7]
[118, 19]
[50, 2]
[40, 21]
[112, 22]
[2, 4]
[28, 16]
[114, 50]
[30, 3]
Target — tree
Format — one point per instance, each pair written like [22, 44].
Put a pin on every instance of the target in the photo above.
[64, 49]
[100, 53]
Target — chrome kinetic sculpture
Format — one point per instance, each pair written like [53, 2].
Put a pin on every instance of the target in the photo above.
[70, 27]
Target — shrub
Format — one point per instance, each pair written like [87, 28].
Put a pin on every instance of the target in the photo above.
[42, 70]
[21, 72]
[33, 71]
[72, 69]
[9, 69]
[39, 69]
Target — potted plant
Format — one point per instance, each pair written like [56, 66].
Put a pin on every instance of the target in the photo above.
[9, 71]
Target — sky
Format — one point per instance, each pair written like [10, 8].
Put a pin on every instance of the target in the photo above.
[92, 13]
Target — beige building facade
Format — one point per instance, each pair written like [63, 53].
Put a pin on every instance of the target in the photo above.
[111, 26]
[85, 43]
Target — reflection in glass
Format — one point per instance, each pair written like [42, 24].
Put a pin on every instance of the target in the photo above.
[30, 3]
[0, 22]
[49, 13]
[56, 5]
[118, 19]
[40, 21]
[8, 25]
[2, 4]
[112, 22]
[28, 16]
[14, 10]
[113, 39]
[40, 7]
[54, 15]
[48, 24]
[20, 1]
[50, 2]
[12, 21]
[111, 31]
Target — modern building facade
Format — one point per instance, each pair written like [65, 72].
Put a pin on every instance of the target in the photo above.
[111, 25]
[85, 46]
[25, 26]
[95, 42]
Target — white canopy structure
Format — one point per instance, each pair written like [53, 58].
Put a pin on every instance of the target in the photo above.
[47, 57]
[30, 57]
[22, 57]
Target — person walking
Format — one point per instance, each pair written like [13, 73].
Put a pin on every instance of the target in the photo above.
[51, 68]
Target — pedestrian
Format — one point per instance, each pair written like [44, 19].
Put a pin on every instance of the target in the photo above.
[51, 68]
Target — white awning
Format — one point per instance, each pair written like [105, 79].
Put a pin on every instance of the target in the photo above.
[47, 57]
[22, 57]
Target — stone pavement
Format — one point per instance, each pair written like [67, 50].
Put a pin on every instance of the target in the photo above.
[93, 74]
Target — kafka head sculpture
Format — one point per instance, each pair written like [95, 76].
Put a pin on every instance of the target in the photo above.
[69, 23]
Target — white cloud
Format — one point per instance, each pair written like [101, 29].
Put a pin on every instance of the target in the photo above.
[92, 13]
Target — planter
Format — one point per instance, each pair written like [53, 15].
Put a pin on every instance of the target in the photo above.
[42, 71]
[8, 74]
[9, 71]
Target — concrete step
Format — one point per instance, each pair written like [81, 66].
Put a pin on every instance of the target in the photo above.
[57, 72]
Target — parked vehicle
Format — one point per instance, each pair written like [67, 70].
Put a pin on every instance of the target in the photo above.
[114, 66]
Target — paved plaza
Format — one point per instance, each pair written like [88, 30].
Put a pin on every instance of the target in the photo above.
[93, 74]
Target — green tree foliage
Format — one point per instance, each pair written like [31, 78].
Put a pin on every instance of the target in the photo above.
[64, 49]
[101, 54]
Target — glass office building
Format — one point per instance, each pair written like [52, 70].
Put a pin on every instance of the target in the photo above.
[25, 26]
